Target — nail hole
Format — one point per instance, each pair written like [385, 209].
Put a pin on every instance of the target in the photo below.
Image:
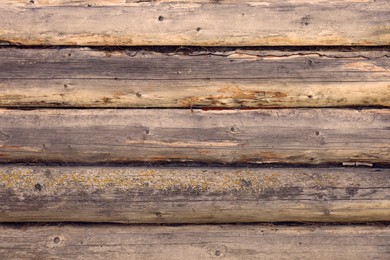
[57, 240]
[158, 214]
[317, 133]
[147, 131]
[310, 62]
[305, 20]
[327, 212]
[89, 5]
[38, 187]
[69, 54]
[198, 29]
[217, 253]
[161, 18]
[65, 85]
[310, 96]
[138, 94]
[32, 2]
[232, 129]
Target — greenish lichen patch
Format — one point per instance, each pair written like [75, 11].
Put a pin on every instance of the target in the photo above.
[50, 180]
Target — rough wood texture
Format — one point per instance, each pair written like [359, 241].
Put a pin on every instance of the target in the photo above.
[194, 242]
[193, 195]
[230, 136]
[240, 78]
[234, 23]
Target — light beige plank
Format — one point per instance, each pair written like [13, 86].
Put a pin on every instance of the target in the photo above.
[45, 3]
[237, 23]
[309, 136]
[194, 242]
[193, 195]
[184, 78]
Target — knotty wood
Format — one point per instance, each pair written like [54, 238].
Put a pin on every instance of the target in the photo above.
[231, 136]
[234, 23]
[184, 78]
[194, 242]
[193, 195]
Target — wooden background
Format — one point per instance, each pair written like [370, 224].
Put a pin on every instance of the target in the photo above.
[266, 123]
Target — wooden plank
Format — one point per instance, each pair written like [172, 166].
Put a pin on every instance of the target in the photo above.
[99, 3]
[194, 242]
[234, 23]
[193, 195]
[229, 136]
[182, 79]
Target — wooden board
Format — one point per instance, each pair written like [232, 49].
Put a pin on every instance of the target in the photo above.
[193, 195]
[234, 23]
[183, 78]
[194, 242]
[231, 136]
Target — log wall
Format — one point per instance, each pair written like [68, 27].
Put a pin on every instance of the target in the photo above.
[269, 116]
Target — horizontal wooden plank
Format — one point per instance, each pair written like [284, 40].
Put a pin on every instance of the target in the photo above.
[193, 195]
[237, 78]
[45, 3]
[229, 136]
[194, 242]
[234, 23]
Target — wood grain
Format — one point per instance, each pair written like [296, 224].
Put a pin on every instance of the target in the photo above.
[309, 136]
[193, 195]
[202, 23]
[194, 242]
[183, 78]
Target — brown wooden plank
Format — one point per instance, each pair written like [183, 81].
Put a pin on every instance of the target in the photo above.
[310, 136]
[193, 195]
[194, 242]
[237, 78]
[234, 23]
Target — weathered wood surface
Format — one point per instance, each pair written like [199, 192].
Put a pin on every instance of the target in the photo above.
[194, 242]
[229, 136]
[237, 78]
[234, 23]
[193, 195]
